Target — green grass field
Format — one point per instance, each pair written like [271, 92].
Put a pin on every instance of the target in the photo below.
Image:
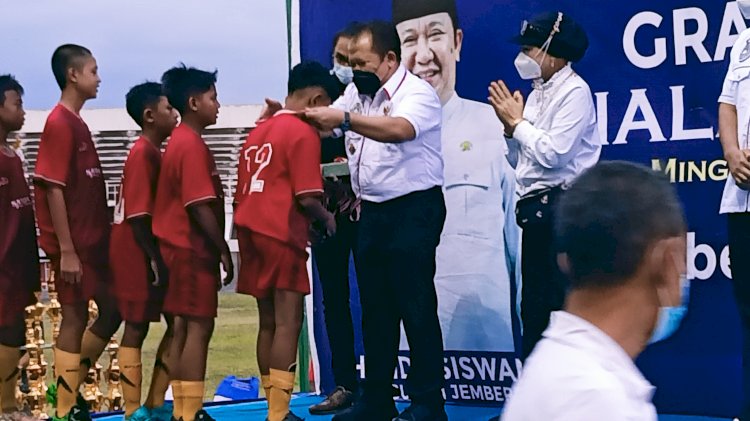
[232, 349]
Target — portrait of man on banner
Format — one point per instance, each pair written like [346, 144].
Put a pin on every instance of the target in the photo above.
[479, 247]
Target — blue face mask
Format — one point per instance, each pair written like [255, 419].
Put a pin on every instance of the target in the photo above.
[670, 318]
[344, 74]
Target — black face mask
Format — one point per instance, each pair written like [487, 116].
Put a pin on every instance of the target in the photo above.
[367, 83]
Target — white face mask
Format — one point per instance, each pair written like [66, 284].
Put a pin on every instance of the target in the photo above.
[344, 74]
[527, 67]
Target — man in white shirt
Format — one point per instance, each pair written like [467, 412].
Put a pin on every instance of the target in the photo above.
[392, 121]
[551, 140]
[479, 247]
[622, 239]
[734, 128]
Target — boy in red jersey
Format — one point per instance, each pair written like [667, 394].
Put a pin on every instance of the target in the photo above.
[74, 223]
[19, 255]
[280, 190]
[189, 222]
[138, 270]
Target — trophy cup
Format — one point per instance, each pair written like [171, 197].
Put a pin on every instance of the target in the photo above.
[35, 399]
[114, 392]
[92, 394]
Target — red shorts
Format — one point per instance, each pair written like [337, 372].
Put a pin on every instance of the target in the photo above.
[19, 278]
[13, 300]
[138, 301]
[193, 283]
[95, 280]
[267, 264]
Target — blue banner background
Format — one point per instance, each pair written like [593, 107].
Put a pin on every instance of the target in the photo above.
[698, 370]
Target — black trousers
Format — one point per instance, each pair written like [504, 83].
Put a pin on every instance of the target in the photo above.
[739, 259]
[543, 285]
[396, 271]
[332, 261]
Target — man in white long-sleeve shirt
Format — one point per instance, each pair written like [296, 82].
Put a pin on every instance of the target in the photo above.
[551, 140]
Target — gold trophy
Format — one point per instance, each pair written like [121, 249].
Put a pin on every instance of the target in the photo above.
[35, 399]
[114, 392]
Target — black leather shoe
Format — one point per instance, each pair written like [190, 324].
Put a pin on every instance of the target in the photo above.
[339, 399]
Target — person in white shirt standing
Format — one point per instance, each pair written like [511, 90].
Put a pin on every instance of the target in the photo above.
[734, 129]
[551, 140]
[392, 120]
[622, 239]
[478, 257]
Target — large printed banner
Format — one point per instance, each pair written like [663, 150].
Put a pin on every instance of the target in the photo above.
[656, 70]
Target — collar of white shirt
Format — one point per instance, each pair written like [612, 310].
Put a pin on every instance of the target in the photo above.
[559, 77]
[570, 330]
[391, 86]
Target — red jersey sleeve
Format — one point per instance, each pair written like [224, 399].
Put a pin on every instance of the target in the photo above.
[304, 163]
[56, 150]
[139, 191]
[196, 184]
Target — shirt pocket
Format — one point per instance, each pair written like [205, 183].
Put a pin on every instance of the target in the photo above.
[384, 153]
[473, 201]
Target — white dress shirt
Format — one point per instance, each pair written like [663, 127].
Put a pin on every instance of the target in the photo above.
[578, 373]
[479, 247]
[736, 91]
[558, 138]
[384, 171]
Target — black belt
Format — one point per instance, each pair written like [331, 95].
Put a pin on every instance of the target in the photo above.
[538, 207]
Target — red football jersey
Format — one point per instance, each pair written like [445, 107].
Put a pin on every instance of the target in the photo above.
[136, 198]
[67, 158]
[19, 255]
[188, 176]
[279, 160]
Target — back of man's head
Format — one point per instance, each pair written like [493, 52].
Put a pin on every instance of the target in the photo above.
[608, 220]
[311, 74]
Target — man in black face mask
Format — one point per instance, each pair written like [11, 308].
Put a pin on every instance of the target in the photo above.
[392, 122]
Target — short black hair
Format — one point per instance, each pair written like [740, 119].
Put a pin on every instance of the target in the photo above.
[180, 83]
[610, 217]
[65, 57]
[384, 37]
[349, 31]
[313, 74]
[9, 83]
[140, 97]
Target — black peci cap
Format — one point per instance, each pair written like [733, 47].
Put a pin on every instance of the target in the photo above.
[404, 10]
[569, 40]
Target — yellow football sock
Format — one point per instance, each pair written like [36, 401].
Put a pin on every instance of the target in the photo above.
[130, 364]
[192, 393]
[265, 382]
[66, 371]
[282, 384]
[8, 378]
[92, 347]
[176, 398]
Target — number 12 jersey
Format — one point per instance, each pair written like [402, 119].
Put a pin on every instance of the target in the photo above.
[279, 161]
